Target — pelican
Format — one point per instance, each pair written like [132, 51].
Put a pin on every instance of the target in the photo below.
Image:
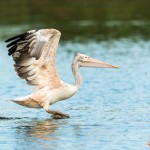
[34, 55]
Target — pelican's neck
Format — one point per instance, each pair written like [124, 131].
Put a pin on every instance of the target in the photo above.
[75, 71]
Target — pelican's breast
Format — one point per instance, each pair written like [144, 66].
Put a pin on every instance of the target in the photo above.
[62, 93]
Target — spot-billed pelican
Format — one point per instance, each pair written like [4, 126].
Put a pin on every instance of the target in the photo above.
[34, 55]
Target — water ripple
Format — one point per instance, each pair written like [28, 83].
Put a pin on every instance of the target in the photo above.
[111, 110]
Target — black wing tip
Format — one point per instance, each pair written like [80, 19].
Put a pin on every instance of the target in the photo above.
[17, 37]
[12, 42]
[7, 40]
[21, 35]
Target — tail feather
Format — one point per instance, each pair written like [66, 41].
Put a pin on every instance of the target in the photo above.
[27, 101]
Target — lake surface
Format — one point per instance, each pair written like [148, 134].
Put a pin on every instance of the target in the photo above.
[112, 108]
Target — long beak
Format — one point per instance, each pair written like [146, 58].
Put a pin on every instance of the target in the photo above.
[91, 62]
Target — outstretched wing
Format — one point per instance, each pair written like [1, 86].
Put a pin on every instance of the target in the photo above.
[34, 55]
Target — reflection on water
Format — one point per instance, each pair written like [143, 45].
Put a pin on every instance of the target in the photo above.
[112, 108]
[37, 129]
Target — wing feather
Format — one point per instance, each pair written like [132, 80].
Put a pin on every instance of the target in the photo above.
[34, 55]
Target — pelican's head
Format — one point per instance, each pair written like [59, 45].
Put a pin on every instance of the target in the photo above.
[86, 61]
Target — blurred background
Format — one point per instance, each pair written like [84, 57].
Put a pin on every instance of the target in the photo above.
[87, 19]
[112, 108]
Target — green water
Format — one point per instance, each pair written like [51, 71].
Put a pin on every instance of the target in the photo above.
[100, 20]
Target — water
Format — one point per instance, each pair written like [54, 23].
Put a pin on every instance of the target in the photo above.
[112, 108]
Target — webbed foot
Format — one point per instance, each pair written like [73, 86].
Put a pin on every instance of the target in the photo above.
[57, 114]
[60, 116]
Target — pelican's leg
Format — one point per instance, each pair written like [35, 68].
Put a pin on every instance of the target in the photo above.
[57, 114]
